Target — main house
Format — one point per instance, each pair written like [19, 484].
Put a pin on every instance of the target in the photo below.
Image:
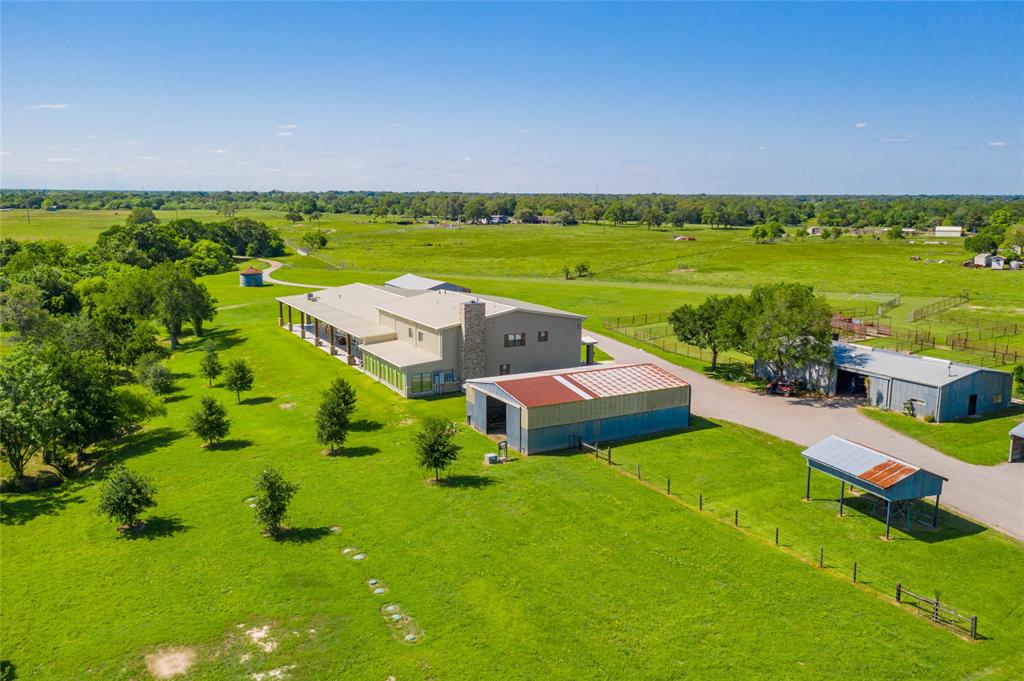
[427, 342]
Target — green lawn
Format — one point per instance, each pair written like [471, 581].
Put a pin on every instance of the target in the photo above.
[983, 440]
[546, 567]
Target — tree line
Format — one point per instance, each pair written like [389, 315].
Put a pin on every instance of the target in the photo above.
[971, 212]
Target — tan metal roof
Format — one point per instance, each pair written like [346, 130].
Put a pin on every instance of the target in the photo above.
[401, 354]
[350, 308]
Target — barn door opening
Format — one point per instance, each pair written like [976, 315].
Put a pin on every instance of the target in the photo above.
[972, 405]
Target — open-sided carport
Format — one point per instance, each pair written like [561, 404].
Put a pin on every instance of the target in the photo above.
[886, 477]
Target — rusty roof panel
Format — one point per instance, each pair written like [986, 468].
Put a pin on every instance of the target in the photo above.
[887, 473]
[539, 391]
[584, 383]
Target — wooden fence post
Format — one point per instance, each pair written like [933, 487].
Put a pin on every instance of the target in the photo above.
[701, 502]
[974, 627]
[736, 518]
[899, 592]
[776, 536]
[821, 557]
[854, 572]
[638, 471]
[668, 487]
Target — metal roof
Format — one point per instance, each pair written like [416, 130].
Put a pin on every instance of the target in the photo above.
[440, 309]
[400, 353]
[350, 308]
[1018, 430]
[928, 371]
[415, 281]
[544, 388]
[251, 270]
[864, 463]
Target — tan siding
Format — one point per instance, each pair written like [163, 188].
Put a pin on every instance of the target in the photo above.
[561, 351]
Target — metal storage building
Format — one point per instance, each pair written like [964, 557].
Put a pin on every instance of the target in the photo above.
[886, 379]
[886, 477]
[550, 410]
[1017, 443]
[250, 276]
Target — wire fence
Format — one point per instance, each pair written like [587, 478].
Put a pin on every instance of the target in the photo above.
[939, 306]
[653, 329]
[837, 558]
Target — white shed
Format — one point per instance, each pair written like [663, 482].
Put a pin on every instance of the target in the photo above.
[983, 259]
[949, 230]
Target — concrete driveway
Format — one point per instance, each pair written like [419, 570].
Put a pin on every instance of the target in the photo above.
[993, 495]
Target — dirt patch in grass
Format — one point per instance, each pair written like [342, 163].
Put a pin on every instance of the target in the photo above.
[286, 405]
[167, 664]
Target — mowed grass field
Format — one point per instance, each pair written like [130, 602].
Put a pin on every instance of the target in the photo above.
[554, 567]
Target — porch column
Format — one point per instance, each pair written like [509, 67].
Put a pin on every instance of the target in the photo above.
[348, 344]
[289, 317]
[935, 511]
[331, 330]
[280, 313]
[842, 494]
[302, 325]
[316, 332]
[808, 495]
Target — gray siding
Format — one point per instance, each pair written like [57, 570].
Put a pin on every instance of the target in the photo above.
[605, 430]
[992, 388]
[926, 397]
[560, 351]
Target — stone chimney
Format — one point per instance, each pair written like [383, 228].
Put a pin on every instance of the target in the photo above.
[474, 339]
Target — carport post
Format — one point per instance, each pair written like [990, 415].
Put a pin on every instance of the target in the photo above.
[302, 325]
[334, 349]
[842, 496]
[316, 332]
[888, 515]
[935, 511]
[808, 496]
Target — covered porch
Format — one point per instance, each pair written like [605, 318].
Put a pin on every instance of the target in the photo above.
[336, 332]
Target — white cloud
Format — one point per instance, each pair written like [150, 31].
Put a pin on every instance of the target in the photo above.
[93, 137]
[761, 148]
[898, 140]
[62, 159]
[998, 144]
[53, 148]
[131, 143]
[860, 125]
[4, 152]
[396, 125]
[217, 151]
[284, 134]
[49, 106]
[525, 131]
[467, 158]
[145, 158]
[287, 126]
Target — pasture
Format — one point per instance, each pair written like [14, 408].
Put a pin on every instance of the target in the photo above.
[546, 567]
[549, 566]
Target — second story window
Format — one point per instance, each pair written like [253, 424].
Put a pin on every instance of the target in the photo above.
[542, 336]
[504, 369]
[515, 340]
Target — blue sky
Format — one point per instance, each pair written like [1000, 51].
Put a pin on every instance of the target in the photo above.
[683, 98]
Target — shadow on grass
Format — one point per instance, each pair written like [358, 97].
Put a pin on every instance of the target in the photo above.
[365, 426]
[158, 527]
[176, 398]
[302, 535]
[950, 525]
[220, 338]
[140, 443]
[258, 400]
[8, 672]
[467, 481]
[230, 445]
[353, 452]
[31, 505]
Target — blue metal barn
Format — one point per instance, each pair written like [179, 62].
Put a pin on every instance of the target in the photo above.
[886, 477]
[551, 410]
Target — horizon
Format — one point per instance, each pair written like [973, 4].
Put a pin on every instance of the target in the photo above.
[593, 99]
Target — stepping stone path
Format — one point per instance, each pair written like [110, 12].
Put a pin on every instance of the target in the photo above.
[376, 586]
[401, 625]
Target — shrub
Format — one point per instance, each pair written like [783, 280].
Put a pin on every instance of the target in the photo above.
[210, 422]
[124, 495]
[156, 377]
[435, 445]
[238, 378]
[273, 494]
[929, 418]
[133, 406]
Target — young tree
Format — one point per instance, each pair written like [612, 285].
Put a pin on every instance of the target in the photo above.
[334, 414]
[210, 421]
[314, 239]
[273, 494]
[210, 365]
[895, 233]
[435, 445]
[715, 325]
[238, 377]
[141, 216]
[32, 406]
[787, 326]
[124, 495]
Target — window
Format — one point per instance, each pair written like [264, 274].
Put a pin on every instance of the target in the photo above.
[410, 332]
[504, 369]
[419, 335]
[997, 398]
[515, 340]
[421, 383]
[542, 336]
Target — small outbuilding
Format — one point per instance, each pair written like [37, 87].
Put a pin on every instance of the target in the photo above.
[551, 410]
[998, 262]
[414, 282]
[895, 482]
[949, 230]
[250, 276]
[1017, 443]
[983, 260]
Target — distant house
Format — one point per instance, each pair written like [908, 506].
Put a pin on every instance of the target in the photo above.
[949, 230]
[497, 220]
[997, 262]
[414, 282]
[814, 231]
[983, 260]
